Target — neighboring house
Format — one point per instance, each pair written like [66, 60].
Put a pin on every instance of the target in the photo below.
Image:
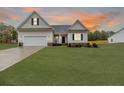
[35, 31]
[118, 37]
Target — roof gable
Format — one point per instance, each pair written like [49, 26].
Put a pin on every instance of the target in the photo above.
[27, 22]
[77, 26]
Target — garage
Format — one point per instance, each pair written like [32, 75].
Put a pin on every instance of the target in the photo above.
[35, 41]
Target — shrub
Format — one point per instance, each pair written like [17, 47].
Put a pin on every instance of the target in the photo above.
[94, 45]
[20, 44]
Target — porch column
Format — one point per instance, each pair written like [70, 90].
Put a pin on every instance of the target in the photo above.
[60, 39]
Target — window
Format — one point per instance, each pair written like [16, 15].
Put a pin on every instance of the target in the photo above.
[72, 36]
[35, 21]
[81, 36]
[77, 36]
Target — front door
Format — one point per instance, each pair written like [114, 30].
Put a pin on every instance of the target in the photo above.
[63, 39]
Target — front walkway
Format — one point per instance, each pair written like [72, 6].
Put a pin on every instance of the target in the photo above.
[12, 56]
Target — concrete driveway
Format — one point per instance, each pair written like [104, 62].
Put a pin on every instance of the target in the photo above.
[12, 56]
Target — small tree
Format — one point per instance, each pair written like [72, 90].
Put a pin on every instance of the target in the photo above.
[14, 35]
[6, 38]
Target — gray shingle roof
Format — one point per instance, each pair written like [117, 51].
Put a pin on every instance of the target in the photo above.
[61, 28]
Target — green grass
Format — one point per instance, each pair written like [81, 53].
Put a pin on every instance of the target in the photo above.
[6, 46]
[69, 66]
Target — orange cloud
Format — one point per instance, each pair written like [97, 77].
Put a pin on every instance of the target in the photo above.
[92, 27]
[94, 22]
[30, 9]
[15, 17]
[112, 23]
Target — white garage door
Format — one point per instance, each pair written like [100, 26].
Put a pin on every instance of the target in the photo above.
[35, 41]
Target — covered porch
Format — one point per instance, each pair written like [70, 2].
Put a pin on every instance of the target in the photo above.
[60, 39]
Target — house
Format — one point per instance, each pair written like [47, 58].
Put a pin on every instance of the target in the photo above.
[118, 37]
[35, 31]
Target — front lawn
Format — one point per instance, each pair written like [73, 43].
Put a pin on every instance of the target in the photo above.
[69, 66]
[6, 46]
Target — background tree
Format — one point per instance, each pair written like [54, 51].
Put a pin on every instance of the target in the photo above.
[99, 35]
[90, 36]
[104, 35]
[1, 37]
[2, 26]
[8, 34]
[14, 35]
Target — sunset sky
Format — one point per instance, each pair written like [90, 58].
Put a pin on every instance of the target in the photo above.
[93, 18]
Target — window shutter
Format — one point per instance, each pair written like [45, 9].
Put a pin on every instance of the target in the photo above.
[37, 21]
[81, 36]
[72, 36]
[32, 21]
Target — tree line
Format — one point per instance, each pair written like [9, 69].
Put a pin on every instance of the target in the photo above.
[8, 34]
[99, 35]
